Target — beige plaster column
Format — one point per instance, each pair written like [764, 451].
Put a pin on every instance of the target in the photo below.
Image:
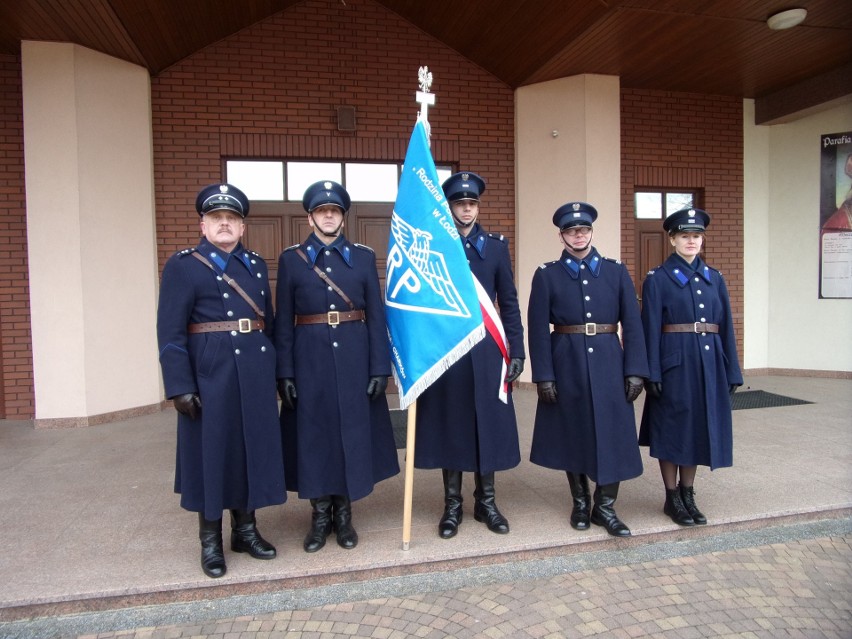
[568, 148]
[91, 234]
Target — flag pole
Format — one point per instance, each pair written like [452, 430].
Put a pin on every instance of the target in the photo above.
[409, 474]
[425, 99]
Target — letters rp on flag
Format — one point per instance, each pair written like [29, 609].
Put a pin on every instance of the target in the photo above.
[433, 311]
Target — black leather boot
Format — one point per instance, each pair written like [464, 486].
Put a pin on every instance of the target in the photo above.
[579, 485]
[687, 496]
[485, 509]
[212, 553]
[603, 513]
[675, 509]
[346, 536]
[246, 538]
[452, 517]
[320, 524]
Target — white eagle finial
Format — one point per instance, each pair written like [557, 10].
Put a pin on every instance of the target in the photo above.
[425, 79]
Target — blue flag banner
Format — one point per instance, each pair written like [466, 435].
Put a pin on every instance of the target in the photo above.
[433, 311]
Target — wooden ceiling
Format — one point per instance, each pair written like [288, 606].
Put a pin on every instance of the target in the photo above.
[718, 47]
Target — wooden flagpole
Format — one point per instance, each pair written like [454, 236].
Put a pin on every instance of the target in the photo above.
[409, 475]
[425, 99]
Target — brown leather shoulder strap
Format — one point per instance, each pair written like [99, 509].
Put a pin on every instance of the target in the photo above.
[325, 278]
[231, 282]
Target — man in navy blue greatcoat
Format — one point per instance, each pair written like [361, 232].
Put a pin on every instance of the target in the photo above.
[333, 368]
[462, 425]
[214, 327]
[587, 377]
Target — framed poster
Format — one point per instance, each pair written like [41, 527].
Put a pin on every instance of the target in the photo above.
[835, 216]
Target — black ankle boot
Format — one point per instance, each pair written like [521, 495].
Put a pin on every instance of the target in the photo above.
[246, 538]
[603, 513]
[346, 536]
[320, 524]
[452, 517]
[579, 485]
[485, 509]
[687, 496]
[675, 509]
[212, 553]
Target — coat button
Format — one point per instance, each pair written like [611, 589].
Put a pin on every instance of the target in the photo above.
[591, 350]
[237, 351]
[334, 344]
[328, 252]
[234, 333]
[707, 347]
[328, 269]
[230, 313]
[701, 305]
[263, 349]
[587, 298]
[588, 314]
[329, 288]
[225, 295]
[259, 276]
[698, 292]
[331, 307]
[585, 281]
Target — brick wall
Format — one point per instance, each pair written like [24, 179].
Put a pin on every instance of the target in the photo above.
[272, 90]
[16, 374]
[696, 141]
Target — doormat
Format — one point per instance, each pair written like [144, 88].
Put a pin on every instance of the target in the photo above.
[762, 399]
[399, 420]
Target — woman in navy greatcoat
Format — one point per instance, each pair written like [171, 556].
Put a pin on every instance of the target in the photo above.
[333, 368]
[218, 364]
[462, 425]
[587, 377]
[692, 353]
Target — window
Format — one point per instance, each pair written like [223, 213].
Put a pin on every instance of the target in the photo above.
[649, 205]
[280, 180]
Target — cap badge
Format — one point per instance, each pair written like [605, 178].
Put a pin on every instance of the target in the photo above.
[465, 176]
[223, 188]
[327, 186]
[691, 212]
[576, 206]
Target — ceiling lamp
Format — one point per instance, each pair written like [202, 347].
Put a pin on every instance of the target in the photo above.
[786, 19]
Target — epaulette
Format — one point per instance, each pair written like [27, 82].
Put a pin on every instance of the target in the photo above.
[612, 259]
[498, 236]
[186, 251]
[363, 246]
[292, 248]
[653, 270]
[546, 264]
[255, 254]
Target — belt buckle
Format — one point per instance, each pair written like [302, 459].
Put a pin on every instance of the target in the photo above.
[591, 329]
[696, 329]
[333, 318]
[244, 325]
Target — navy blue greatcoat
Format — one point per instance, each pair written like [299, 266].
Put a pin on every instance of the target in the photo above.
[229, 457]
[690, 424]
[337, 441]
[591, 429]
[461, 422]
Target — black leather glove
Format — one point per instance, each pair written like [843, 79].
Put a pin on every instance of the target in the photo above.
[632, 387]
[516, 367]
[732, 388]
[376, 386]
[547, 392]
[655, 389]
[287, 391]
[188, 404]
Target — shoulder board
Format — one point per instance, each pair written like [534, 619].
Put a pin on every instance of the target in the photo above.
[186, 251]
[546, 264]
[497, 236]
[362, 246]
[655, 269]
[255, 254]
[612, 259]
[292, 248]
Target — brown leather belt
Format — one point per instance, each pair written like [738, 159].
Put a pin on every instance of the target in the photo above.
[586, 329]
[332, 318]
[240, 325]
[695, 327]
